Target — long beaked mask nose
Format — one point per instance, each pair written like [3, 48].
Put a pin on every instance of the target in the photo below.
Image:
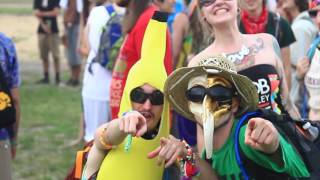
[212, 113]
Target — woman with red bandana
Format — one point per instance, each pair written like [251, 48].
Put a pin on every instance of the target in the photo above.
[255, 18]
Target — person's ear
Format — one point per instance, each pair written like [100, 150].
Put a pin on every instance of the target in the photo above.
[235, 104]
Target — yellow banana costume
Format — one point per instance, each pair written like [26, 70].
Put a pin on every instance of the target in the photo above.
[134, 164]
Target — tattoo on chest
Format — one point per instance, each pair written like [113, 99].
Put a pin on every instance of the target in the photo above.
[249, 59]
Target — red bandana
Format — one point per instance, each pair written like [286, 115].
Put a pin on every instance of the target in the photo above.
[255, 25]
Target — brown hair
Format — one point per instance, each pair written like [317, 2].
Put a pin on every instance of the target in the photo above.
[302, 5]
[133, 12]
[201, 36]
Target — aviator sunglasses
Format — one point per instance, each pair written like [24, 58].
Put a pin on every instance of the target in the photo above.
[137, 95]
[217, 93]
[206, 3]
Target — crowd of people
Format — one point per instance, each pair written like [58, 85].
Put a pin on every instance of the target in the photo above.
[166, 82]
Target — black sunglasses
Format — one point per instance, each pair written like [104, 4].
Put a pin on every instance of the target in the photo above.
[137, 95]
[313, 13]
[218, 93]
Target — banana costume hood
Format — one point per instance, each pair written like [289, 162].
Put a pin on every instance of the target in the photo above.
[134, 164]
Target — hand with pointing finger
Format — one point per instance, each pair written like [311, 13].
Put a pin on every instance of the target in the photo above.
[169, 150]
[133, 123]
[262, 135]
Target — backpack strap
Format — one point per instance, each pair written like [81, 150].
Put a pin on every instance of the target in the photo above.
[276, 20]
[112, 13]
[81, 159]
[3, 81]
[314, 45]
[237, 145]
[110, 9]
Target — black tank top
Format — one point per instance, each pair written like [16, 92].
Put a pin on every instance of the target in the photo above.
[267, 82]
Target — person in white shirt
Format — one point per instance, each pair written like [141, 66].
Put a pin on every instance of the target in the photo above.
[305, 32]
[96, 85]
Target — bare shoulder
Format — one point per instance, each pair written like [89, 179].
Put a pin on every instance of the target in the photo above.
[181, 21]
[266, 38]
[197, 58]
[272, 42]
[181, 17]
[262, 48]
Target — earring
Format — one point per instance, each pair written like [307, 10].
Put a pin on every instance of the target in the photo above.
[204, 19]
[238, 10]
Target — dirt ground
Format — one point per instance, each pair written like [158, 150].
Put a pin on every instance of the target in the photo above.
[23, 30]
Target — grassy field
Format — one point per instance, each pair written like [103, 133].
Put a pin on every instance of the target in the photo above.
[50, 120]
[50, 114]
[16, 10]
[17, 1]
[17, 7]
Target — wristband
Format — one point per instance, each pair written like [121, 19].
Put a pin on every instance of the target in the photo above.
[188, 164]
[102, 140]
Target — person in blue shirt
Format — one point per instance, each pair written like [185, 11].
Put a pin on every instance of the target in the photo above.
[8, 135]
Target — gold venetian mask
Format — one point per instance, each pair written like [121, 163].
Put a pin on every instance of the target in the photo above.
[210, 111]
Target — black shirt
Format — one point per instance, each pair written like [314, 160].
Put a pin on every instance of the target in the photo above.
[47, 5]
[266, 79]
[285, 34]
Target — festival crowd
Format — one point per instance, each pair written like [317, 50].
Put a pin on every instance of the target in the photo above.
[180, 89]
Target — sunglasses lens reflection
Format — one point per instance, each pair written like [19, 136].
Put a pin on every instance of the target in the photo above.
[156, 97]
[196, 94]
[138, 96]
[218, 93]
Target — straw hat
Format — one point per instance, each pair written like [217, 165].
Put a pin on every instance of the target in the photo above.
[177, 84]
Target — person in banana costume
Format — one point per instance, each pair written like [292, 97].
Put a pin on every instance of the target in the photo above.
[125, 147]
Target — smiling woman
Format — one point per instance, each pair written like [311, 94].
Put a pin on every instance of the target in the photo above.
[263, 54]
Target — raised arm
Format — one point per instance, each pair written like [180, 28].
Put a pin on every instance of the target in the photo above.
[114, 132]
[180, 26]
[110, 135]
